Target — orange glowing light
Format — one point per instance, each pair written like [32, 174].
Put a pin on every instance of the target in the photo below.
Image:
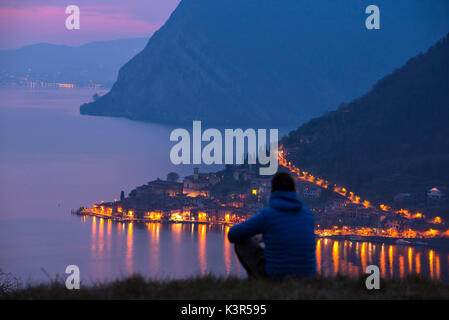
[437, 220]
[431, 233]
[418, 215]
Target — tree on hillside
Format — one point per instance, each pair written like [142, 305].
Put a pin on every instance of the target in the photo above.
[172, 177]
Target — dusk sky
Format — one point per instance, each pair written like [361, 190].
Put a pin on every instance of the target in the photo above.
[27, 22]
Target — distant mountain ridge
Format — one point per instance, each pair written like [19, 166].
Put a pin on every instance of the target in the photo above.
[97, 61]
[393, 139]
[267, 61]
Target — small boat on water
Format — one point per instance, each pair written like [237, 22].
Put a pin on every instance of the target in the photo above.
[356, 239]
[420, 243]
[402, 242]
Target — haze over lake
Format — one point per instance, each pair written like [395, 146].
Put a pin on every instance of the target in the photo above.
[53, 160]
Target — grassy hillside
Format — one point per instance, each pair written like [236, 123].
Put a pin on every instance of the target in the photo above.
[209, 287]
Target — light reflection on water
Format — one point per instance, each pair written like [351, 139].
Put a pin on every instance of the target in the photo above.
[201, 248]
[395, 261]
[181, 250]
[61, 161]
[160, 250]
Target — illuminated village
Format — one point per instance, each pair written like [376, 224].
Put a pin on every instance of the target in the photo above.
[237, 192]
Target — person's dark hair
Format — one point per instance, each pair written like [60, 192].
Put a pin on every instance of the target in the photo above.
[282, 181]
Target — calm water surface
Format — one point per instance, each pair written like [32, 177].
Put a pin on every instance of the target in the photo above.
[53, 160]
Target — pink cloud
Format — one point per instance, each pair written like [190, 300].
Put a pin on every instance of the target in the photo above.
[33, 24]
[97, 19]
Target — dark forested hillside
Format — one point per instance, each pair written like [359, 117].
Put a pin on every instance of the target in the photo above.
[393, 139]
[267, 61]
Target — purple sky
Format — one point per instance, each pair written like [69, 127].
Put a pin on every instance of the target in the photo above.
[32, 21]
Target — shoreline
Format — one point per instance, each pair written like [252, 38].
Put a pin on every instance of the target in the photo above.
[430, 243]
[162, 221]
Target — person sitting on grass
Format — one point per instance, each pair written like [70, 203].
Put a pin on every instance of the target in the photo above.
[288, 234]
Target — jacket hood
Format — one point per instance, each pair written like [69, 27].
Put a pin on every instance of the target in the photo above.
[285, 201]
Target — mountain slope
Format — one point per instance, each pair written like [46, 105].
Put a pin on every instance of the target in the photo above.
[96, 61]
[266, 61]
[393, 139]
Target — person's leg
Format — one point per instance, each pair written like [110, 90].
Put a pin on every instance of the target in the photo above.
[251, 256]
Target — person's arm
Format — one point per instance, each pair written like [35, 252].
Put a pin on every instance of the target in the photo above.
[245, 230]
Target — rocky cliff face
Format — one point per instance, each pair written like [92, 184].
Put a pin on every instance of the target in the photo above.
[265, 61]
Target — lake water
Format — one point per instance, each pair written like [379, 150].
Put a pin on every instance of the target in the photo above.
[53, 160]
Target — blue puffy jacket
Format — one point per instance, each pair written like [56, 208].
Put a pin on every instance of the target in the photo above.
[288, 231]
